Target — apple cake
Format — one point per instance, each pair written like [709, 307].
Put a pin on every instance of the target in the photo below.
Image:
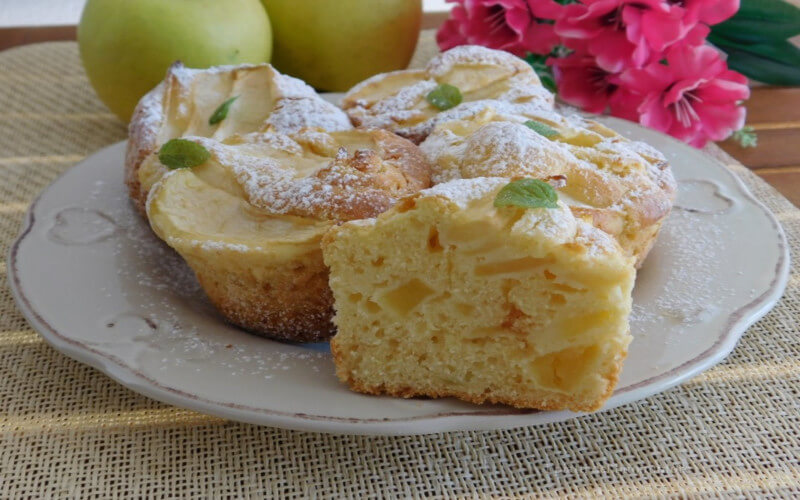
[624, 187]
[220, 102]
[456, 83]
[248, 217]
[449, 294]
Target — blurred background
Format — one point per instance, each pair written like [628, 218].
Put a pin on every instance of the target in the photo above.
[18, 13]
[773, 111]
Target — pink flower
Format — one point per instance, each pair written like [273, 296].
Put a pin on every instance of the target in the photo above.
[517, 26]
[581, 82]
[624, 32]
[675, 20]
[694, 96]
[604, 25]
[709, 11]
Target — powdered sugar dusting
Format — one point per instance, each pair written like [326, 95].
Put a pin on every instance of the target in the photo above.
[497, 149]
[297, 106]
[476, 55]
[348, 185]
[291, 87]
[295, 113]
[405, 111]
[185, 75]
[394, 110]
[463, 191]
[557, 225]
[697, 252]
[624, 191]
[595, 241]
[143, 129]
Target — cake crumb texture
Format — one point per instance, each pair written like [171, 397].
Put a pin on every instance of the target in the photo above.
[447, 295]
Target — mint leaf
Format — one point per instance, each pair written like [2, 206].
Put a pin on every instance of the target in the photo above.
[541, 128]
[444, 96]
[746, 137]
[527, 193]
[221, 112]
[182, 153]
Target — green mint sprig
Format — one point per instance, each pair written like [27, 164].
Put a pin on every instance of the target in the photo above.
[444, 96]
[182, 153]
[221, 112]
[541, 128]
[527, 193]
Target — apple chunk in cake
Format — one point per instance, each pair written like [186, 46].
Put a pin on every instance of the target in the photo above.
[447, 294]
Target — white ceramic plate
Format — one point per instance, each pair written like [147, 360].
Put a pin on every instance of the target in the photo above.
[91, 277]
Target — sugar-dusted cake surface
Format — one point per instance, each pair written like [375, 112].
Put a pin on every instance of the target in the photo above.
[263, 100]
[249, 220]
[397, 101]
[447, 295]
[624, 187]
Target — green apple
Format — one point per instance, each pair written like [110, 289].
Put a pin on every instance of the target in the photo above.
[127, 45]
[333, 45]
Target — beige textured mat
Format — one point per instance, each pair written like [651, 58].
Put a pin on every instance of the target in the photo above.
[67, 430]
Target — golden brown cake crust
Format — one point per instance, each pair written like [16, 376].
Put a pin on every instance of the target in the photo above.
[292, 302]
[377, 188]
[142, 141]
[535, 399]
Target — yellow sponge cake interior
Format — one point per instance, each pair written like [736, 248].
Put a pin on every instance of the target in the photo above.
[447, 295]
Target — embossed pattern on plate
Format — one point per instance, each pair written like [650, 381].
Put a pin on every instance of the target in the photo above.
[92, 278]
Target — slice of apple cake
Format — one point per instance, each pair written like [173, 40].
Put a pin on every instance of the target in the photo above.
[249, 216]
[484, 289]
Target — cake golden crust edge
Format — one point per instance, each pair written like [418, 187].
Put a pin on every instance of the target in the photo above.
[290, 302]
[537, 400]
[142, 141]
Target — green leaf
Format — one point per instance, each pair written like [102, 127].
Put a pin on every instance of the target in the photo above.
[760, 21]
[776, 63]
[182, 153]
[542, 70]
[782, 50]
[746, 137]
[763, 70]
[221, 112]
[444, 96]
[527, 193]
[767, 10]
[541, 128]
[754, 31]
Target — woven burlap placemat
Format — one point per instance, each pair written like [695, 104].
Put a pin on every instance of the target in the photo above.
[68, 430]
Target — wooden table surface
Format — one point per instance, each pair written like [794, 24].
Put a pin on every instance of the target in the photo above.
[774, 112]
